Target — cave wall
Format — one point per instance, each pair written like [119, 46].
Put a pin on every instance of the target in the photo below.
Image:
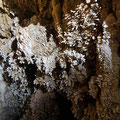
[69, 48]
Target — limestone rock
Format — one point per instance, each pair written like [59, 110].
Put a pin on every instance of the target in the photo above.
[59, 59]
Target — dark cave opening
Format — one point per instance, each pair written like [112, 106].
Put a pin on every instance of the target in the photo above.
[64, 108]
[30, 70]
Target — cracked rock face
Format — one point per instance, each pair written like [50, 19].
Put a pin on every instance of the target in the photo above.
[61, 56]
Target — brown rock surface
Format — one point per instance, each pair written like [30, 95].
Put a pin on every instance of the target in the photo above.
[60, 59]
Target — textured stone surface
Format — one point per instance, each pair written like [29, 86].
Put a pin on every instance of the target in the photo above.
[61, 56]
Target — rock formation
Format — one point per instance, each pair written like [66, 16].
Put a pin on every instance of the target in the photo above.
[59, 59]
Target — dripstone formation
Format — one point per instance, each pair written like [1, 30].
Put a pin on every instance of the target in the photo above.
[59, 59]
